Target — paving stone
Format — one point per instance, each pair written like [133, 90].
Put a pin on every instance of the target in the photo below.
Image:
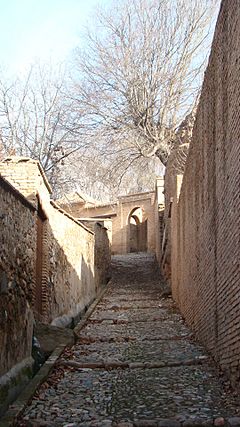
[106, 423]
[169, 423]
[134, 324]
[141, 330]
[233, 422]
[198, 423]
[219, 422]
[207, 423]
[165, 350]
[145, 423]
[124, 424]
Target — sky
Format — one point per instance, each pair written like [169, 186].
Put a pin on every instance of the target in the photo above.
[41, 30]
[33, 30]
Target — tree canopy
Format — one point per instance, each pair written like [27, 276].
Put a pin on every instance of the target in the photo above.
[140, 74]
[132, 85]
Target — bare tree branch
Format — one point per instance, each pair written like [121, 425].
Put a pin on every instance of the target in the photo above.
[37, 119]
[140, 73]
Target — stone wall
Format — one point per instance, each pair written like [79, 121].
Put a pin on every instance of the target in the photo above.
[104, 212]
[65, 279]
[68, 265]
[27, 176]
[17, 280]
[51, 267]
[205, 221]
[102, 249]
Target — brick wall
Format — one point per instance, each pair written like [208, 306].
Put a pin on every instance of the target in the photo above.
[144, 201]
[17, 279]
[119, 213]
[175, 167]
[205, 221]
[159, 218]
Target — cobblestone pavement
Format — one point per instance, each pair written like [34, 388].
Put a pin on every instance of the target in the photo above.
[135, 364]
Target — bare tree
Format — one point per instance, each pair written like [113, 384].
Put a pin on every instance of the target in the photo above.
[37, 119]
[95, 176]
[140, 74]
[135, 82]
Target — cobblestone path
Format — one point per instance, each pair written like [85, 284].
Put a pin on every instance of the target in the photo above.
[135, 363]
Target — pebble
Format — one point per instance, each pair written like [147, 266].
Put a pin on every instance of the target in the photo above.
[234, 422]
[195, 423]
[153, 332]
[124, 424]
[145, 423]
[169, 423]
[106, 423]
[218, 422]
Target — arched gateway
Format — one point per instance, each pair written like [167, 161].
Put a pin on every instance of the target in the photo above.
[131, 219]
[137, 231]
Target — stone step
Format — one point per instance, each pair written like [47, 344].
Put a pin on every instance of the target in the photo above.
[130, 365]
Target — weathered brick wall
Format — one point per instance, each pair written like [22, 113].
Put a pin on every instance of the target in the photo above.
[159, 214]
[175, 167]
[17, 278]
[206, 220]
[146, 202]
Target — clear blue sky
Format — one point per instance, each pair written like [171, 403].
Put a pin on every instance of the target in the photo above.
[40, 29]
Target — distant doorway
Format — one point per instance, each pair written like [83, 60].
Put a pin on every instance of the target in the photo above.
[137, 231]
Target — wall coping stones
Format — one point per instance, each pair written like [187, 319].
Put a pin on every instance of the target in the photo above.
[56, 206]
[136, 197]
[19, 159]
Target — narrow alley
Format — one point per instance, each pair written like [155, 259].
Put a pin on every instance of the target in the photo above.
[135, 363]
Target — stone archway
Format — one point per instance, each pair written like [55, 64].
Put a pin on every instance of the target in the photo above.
[137, 231]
